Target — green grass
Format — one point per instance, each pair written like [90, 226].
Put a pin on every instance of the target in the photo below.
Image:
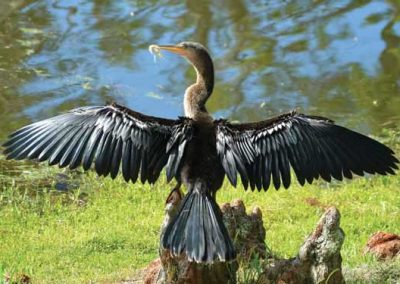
[105, 230]
[102, 231]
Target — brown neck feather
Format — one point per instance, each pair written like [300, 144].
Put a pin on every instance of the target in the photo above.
[197, 94]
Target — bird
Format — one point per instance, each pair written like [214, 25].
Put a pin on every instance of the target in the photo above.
[199, 151]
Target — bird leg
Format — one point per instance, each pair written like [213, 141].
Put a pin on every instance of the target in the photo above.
[175, 196]
[171, 206]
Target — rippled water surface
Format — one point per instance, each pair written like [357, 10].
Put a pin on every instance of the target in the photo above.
[339, 59]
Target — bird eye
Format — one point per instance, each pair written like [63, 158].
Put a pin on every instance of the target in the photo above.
[183, 44]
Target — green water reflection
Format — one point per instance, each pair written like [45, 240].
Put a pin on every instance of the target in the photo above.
[339, 59]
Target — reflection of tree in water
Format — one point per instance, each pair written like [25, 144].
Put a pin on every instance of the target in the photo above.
[277, 54]
[335, 92]
[387, 81]
[120, 33]
[20, 36]
[390, 57]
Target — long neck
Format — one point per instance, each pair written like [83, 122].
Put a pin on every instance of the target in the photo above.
[197, 94]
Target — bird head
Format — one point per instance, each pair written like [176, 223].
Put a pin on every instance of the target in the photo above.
[192, 51]
[198, 56]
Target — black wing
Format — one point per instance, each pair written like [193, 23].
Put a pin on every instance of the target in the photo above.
[111, 137]
[313, 146]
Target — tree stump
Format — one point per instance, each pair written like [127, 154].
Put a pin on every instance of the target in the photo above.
[318, 260]
[168, 269]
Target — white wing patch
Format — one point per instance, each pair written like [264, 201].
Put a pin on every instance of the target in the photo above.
[274, 128]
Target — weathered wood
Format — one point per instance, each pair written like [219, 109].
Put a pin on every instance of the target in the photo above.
[318, 260]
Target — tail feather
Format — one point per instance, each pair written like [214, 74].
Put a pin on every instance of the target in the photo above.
[198, 229]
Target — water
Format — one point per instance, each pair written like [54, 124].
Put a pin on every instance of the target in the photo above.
[339, 59]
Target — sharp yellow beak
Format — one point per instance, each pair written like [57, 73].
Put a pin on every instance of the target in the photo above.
[173, 48]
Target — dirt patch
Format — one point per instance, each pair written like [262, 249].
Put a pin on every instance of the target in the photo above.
[384, 245]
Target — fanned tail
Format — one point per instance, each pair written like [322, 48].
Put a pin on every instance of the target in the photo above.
[198, 229]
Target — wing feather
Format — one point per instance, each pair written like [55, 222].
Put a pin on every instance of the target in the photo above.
[126, 159]
[312, 146]
[112, 137]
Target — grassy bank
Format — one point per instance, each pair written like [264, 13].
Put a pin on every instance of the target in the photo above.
[103, 230]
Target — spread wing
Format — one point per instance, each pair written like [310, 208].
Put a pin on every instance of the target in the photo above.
[313, 147]
[110, 137]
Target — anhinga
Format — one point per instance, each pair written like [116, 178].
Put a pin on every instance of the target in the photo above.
[199, 151]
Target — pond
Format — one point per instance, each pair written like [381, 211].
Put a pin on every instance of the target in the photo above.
[339, 59]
